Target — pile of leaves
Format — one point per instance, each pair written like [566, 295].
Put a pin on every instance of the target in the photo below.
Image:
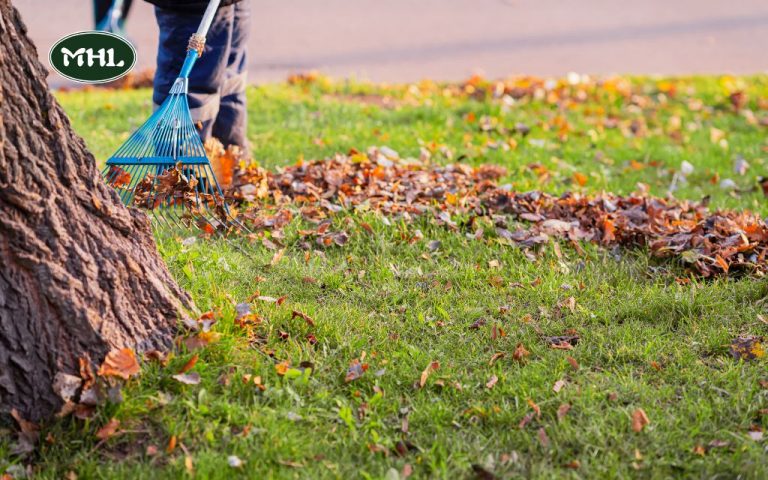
[709, 243]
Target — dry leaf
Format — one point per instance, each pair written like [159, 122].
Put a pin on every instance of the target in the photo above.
[562, 411]
[120, 363]
[520, 352]
[543, 438]
[434, 365]
[190, 363]
[282, 367]
[491, 382]
[355, 370]
[558, 386]
[747, 348]
[188, 378]
[304, 317]
[108, 430]
[535, 407]
[572, 361]
[639, 420]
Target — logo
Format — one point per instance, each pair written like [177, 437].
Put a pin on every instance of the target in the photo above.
[92, 57]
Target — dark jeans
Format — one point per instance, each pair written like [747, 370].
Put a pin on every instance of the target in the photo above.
[101, 7]
[217, 82]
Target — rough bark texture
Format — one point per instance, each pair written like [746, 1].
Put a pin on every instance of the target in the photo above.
[79, 272]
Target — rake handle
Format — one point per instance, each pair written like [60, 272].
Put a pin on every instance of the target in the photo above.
[197, 41]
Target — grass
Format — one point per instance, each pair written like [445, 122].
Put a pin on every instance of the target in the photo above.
[651, 336]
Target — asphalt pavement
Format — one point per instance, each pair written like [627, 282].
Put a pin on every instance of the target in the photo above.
[407, 40]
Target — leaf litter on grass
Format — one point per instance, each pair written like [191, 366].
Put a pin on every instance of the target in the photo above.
[707, 243]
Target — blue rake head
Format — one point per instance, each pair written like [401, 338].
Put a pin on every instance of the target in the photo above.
[163, 166]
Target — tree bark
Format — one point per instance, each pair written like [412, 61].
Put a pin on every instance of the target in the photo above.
[80, 273]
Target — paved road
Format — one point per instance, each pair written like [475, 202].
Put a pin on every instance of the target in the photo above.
[405, 40]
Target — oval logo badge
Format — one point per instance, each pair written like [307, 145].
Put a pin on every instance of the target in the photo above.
[92, 57]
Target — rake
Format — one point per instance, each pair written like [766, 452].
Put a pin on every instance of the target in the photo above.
[163, 166]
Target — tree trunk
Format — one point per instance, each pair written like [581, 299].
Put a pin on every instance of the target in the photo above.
[79, 273]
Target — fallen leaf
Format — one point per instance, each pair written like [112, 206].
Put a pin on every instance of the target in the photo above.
[573, 362]
[282, 367]
[520, 352]
[190, 363]
[496, 356]
[558, 386]
[434, 365]
[535, 407]
[355, 370]
[108, 430]
[120, 363]
[188, 378]
[543, 438]
[304, 317]
[747, 348]
[491, 382]
[562, 411]
[639, 420]
[481, 473]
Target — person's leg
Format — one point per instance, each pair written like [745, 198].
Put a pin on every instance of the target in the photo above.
[100, 9]
[207, 77]
[231, 122]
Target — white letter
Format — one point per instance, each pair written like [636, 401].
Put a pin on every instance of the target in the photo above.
[67, 54]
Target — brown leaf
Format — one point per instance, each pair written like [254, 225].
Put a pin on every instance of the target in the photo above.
[481, 473]
[355, 370]
[562, 411]
[520, 352]
[120, 363]
[543, 438]
[434, 365]
[573, 362]
[108, 430]
[190, 363]
[496, 356]
[304, 317]
[535, 407]
[491, 382]
[26, 427]
[747, 348]
[86, 372]
[639, 420]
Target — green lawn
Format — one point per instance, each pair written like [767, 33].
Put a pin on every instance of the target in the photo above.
[648, 339]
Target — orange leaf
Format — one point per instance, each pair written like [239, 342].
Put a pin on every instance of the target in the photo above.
[282, 367]
[639, 420]
[580, 178]
[304, 317]
[520, 352]
[120, 363]
[191, 363]
[434, 365]
[723, 264]
[108, 430]
[535, 407]
[609, 231]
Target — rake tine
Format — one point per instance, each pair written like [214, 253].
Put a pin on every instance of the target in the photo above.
[169, 140]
